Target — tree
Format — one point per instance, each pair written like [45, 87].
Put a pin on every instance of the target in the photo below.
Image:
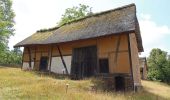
[16, 56]
[158, 65]
[75, 13]
[6, 30]
[13, 57]
[6, 23]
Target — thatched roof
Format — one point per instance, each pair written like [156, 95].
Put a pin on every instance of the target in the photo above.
[115, 21]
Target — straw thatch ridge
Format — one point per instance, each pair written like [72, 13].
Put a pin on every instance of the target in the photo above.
[119, 20]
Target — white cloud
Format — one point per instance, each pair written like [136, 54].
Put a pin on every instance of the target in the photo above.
[145, 16]
[152, 34]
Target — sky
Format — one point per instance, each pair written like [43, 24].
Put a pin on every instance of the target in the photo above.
[153, 17]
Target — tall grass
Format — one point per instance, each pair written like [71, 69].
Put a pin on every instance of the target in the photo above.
[17, 84]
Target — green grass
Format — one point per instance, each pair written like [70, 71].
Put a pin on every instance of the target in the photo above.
[16, 84]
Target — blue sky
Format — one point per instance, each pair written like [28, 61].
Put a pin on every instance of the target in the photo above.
[153, 16]
[158, 10]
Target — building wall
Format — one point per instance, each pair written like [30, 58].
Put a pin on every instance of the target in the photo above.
[106, 48]
[135, 59]
[36, 53]
[143, 69]
[145, 72]
[25, 65]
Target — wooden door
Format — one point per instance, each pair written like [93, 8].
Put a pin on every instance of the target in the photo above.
[43, 63]
[119, 83]
[84, 62]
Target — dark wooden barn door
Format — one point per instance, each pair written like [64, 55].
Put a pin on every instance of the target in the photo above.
[84, 62]
[43, 63]
[119, 83]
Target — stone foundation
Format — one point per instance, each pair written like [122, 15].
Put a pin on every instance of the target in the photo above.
[109, 82]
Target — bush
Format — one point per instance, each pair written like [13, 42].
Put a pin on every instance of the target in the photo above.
[13, 57]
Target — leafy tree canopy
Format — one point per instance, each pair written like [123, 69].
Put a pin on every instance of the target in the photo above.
[13, 57]
[75, 13]
[158, 65]
[6, 22]
[7, 57]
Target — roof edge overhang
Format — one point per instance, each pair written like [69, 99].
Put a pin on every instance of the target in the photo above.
[118, 33]
[138, 34]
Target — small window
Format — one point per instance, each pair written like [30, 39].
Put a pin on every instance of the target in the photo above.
[104, 65]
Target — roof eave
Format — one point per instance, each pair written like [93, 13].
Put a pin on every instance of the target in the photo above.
[23, 45]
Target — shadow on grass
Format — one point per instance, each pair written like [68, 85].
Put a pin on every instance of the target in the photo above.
[146, 95]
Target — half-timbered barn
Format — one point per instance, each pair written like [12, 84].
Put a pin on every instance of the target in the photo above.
[105, 43]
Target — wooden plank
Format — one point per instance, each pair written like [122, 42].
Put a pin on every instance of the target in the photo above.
[62, 59]
[117, 50]
[39, 52]
[72, 65]
[62, 54]
[51, 51]
[40, 60]
[120, 51]
[35, 56]
[29, 51]
[84, 62]
[97, 47]
[130, 58]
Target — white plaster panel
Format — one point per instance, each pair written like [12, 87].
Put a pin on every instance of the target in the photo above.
[25, 65]
[57, 65]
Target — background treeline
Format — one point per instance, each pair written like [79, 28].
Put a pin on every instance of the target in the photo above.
[11, 57]
[159, 66]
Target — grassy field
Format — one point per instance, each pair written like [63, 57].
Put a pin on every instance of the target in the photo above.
[17, 84]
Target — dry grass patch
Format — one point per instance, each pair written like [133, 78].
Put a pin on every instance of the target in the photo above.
[157, 88]
[17, 84]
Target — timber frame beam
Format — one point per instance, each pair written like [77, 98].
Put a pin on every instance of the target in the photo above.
[51, 51]
[130, 57]
[62, 59]
[117, 50]
[29, 53]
